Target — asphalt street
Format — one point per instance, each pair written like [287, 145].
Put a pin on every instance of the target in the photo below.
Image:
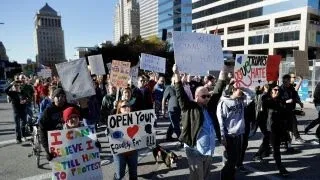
[15, 163]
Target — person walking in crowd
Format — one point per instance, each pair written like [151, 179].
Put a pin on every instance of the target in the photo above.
[46, 102]
[186, 86]
[143, 95]
[27, 91]
[19, 109]
[230, 114]
[173, 110]
[199, 128]
[108, 105]
[157, 95]
[128, 158]
[276, 123]
[38, 86]
[316, 100]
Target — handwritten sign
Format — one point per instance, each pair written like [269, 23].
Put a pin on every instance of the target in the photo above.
[301, 63]
[134, 73]
[250, 70]
[120, 73]
[96, 64]
[272, 66]
[75, 154]
[153, 63]
[196, 53]
[75, 78]
[131, 131]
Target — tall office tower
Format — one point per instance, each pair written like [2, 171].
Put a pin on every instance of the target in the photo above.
[261, 26]
[126, 19]
[49, 37]
[148, 18]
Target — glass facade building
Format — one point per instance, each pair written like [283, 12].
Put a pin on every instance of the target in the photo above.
[174, 15]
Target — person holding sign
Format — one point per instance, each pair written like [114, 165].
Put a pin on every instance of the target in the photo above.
[200, 128]
[131, 157]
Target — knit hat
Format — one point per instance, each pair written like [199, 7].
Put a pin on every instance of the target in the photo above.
[57, 92]
[68, 112]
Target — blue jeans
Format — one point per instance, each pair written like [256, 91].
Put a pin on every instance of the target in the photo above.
[121, 161]
[175, 123]
[20, 124]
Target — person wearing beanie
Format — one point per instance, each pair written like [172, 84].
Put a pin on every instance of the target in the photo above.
[71, 117]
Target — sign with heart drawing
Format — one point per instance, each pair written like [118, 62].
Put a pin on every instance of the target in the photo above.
[131, 131]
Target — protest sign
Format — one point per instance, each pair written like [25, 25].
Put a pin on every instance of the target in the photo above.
[272, 66]
[301, 63]
[134, 73]
[304, 90]
[75, 155]
[153, 63]
[45, 73]
[131, 131]
[196, 53]
[75, 78]
[250, 70]
[120, 73]
[96, 65]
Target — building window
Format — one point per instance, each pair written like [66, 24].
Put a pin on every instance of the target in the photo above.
[235, 42]
[222, 43]
[287, 36]
[259, 39]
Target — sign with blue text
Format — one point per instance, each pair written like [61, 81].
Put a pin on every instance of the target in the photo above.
[131, 131]
[153, 63]
[197, 53]
[75, 154]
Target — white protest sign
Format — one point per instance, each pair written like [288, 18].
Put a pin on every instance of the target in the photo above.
[196, 53]
[153, 63]
[75, 78]
[250, 70]
[96, 65]
[134, 73]
[45, 73]
[76, 156]
[131, 131]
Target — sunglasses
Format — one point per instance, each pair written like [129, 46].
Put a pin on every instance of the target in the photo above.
[275, 89]
[205, 96]
[125, 106]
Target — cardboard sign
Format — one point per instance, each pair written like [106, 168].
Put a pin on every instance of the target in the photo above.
[131, 131]
[250, 70]
[196, 53]
[153, 63]
[75, 154]
[76, 80]
[134, 73]
[96, 65]
[301, 63]
[120, 73]
[272, 66]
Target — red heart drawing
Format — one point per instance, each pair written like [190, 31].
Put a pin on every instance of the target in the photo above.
[131, 131]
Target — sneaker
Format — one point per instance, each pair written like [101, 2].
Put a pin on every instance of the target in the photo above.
[24, 139]
[260, 159]
[300, 140]
[283, 172]
[291, 150]
[243, 169]
[18, 141]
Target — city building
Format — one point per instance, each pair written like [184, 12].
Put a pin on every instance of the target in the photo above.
[148, 18]
[49, 37]
[82, 51]
[174, 15]
[3, 52]
[261, 26]
[126, 19]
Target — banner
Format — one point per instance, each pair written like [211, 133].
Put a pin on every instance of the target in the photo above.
[75, 154]
[301, 63]
[153, 63]
[273, 63]
[134, 73]
[96, 65]
[120, 73]
[131, 131]
[75, 78]
[196, 53]
[250, 70]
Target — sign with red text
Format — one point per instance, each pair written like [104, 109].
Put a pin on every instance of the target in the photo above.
[120, 73]
[131, 131]
[75, 154]
[250, 70]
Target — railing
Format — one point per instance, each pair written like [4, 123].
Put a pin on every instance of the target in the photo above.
[287, 23]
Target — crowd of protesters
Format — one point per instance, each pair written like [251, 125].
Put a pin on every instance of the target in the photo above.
[202, 111]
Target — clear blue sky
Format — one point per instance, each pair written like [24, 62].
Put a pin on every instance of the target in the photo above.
[85, 23]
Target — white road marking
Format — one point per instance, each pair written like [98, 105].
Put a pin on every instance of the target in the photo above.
[39, 177]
